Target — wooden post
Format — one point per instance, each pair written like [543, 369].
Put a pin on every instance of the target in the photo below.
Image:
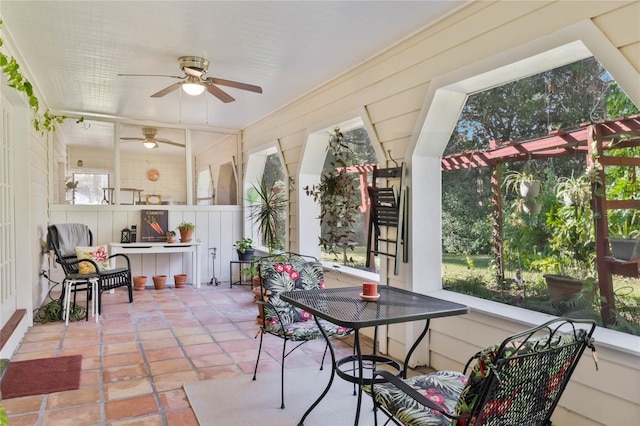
[599, 205]
[497, 231]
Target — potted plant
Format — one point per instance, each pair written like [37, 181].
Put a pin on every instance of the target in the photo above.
[338, 196]
[526, 183]
[186, 231]
[171, 236]
[268, 211]
[573, 191]
[565, 275]
[624, 238]
[245, 249]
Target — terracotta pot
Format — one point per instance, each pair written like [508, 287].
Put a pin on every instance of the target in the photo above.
[180, 280]
[171, 237]
[139, 282]
[159, 281]
[185, 234]
[257, 295]
[562, 287]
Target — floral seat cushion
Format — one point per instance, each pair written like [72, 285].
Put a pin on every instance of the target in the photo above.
[443, 389]
[284, 319]
[306, 330]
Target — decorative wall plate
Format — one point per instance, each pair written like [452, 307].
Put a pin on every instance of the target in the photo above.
[153, 175]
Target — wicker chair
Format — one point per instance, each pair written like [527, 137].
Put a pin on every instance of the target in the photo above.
[518, 382]
[286, 272]
[108, 279]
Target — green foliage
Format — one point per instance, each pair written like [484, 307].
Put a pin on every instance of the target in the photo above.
[4, 419]
[338, 196]
[269, 213]
[187, 225]
[466, 214]
[624, 224]
[513, 179]
[244, 244]
[573, 191]
[618, 103]
[42, 123]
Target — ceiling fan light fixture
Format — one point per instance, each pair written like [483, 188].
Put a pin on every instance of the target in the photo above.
[192, 86]
[150, 144]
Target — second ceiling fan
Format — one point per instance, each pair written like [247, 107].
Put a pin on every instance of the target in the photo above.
[149, 139]
[195, 83]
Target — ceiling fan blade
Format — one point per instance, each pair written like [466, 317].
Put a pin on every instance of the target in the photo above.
[132, 139]
[151, 75]
[168, 142]
[166, 90]
[192, 71]
[219, 93]
[235, 84]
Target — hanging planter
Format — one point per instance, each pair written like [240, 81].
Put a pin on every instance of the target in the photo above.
[523, 182]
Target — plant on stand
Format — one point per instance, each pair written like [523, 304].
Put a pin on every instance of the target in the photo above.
[244, 248]
[624, 235]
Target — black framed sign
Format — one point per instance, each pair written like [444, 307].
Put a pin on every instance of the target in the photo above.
[155, 224]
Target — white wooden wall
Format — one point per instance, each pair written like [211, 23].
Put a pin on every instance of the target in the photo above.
[216, 226]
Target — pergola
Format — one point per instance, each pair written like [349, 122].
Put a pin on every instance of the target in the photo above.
[593, 140]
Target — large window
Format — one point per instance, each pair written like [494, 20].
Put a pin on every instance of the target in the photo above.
[87, 188]
[551, 233]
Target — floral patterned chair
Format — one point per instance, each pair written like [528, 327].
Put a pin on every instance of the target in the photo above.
[286, 272]
[517, 382]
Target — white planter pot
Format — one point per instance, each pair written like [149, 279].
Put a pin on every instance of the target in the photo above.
[530, 189]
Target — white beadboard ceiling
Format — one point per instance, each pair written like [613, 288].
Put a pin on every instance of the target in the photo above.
[74, 50]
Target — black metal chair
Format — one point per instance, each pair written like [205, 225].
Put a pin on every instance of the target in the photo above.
[517, 382]
[286, 272]
[63, 239]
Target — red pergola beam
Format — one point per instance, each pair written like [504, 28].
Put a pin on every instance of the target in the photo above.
[558, 144]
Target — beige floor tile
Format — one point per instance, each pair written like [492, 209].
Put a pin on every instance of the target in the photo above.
[127, 389]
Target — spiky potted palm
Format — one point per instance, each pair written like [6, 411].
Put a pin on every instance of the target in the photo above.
[268, 212]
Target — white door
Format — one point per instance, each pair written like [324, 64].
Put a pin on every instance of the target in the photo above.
[8, 293]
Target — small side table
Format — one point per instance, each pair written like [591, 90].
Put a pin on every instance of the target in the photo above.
[77, 285]
[240, 263]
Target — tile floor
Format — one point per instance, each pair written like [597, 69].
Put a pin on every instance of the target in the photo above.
[136, 358]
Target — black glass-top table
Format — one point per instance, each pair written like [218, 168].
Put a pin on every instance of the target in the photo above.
[345, 307]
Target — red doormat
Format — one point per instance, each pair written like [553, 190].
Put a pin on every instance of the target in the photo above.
[40, 376]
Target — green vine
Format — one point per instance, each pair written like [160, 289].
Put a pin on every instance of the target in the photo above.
[42, 123]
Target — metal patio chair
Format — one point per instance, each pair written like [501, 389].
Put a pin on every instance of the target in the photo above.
[286, 272]
[518, 382]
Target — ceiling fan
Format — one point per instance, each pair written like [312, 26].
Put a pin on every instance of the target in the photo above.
[150, 141]
[195, 83]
